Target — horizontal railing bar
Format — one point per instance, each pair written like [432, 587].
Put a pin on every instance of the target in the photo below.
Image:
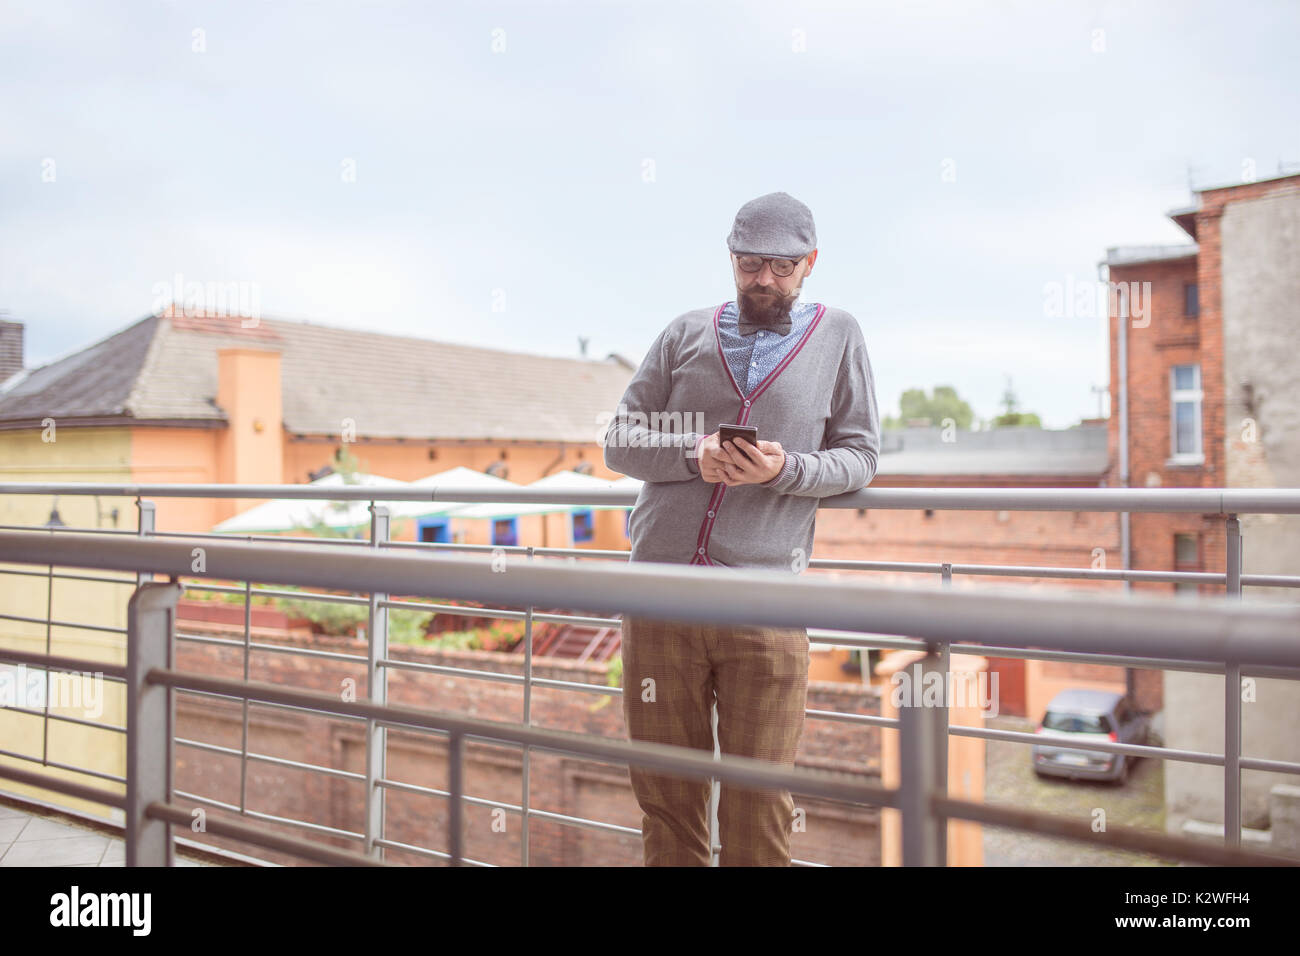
[275, 592]
[1117, 660]
[502, 613]
[1179, 629]
[267, 758]
[63, 717]
[238, 698]
[868, 720]
[97, 774]
[1147, 500]
[1274, 766]
[680, 761]
[54, 623]
[425, 851]
[1116, 836]
[565, 820]
[1123, 660]
[1063, 743]
[69, 789]
[68, 577]
[1019, 570]
[269, 817]
[560, 818]
[276, 648]
[1270, 580]
[54, 662]
[65, 528]
[268, 538]
[259, 837]
[501, 678]
[538, 552]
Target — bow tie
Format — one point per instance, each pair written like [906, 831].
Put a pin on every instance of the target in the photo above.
[749, 328]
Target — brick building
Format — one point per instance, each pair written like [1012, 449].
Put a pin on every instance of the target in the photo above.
[1202, 384]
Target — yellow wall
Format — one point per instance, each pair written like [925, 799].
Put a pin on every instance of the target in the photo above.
[148, 454]
[75, 454]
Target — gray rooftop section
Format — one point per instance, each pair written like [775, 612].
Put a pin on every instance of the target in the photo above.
[164, 369]
[1019, 450]
[1131, 255]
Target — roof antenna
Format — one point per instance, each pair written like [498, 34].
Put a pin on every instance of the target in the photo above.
[582, 345]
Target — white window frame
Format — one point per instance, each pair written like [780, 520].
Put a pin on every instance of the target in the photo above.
[1193, 395]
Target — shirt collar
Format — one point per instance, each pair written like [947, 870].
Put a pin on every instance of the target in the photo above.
[780, 328]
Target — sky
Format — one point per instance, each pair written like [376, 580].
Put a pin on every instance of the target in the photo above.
[525, 175]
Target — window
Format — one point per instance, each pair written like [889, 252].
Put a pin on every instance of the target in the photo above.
[435, 531]
[583, 529]
[1077, 723]
[1191, 300]
[505, 531]
[1187, 557]
[1185, 413]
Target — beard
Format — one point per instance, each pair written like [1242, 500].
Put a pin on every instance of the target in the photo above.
[762, 308]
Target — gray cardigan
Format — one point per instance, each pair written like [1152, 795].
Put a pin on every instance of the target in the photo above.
[819, 403]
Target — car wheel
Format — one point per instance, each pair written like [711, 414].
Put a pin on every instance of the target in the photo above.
[1125, 769]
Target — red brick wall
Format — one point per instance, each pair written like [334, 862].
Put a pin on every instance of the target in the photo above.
[1021, 538]
[834, 833]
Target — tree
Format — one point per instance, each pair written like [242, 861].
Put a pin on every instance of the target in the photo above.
[1010, 415]
[941, 404]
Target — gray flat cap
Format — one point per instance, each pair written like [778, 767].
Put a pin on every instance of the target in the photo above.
[773, 225]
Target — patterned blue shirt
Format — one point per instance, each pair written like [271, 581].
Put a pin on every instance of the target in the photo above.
[754, 356]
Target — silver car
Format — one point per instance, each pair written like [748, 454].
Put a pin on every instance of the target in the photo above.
[1088, 715]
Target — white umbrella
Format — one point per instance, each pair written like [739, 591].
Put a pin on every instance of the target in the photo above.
[564, 480]
[458, 477]
[291, 514]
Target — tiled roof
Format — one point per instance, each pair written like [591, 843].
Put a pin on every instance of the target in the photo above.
[164, 368]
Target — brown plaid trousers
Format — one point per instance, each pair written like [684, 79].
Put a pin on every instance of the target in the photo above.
[760, 678]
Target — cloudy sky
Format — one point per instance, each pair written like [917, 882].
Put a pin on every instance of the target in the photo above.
[522, 175]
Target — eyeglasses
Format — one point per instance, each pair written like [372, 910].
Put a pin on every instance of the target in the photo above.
[780, 267]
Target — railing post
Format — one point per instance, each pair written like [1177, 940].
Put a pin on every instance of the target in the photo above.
[377, 689]
[147, 522]
[243, 734]
[151, 616]
[1232, 700]
[1232, 754]
[1233, 556]
[917, 764]
[941, 723]
[455, 771]
[528, 722]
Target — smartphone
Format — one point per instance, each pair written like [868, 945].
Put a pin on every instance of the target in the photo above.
[728, 433]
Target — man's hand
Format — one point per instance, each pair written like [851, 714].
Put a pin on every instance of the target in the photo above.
[740, 463]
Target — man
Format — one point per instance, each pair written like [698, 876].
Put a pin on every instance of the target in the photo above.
[799, 372]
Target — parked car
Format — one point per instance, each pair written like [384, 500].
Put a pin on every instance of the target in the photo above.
[1079, 715]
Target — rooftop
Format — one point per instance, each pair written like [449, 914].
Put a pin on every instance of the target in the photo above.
[163, 369]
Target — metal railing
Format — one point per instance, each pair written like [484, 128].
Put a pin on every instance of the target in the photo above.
[260, 562]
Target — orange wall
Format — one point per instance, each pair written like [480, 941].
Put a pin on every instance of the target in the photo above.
[190, 455]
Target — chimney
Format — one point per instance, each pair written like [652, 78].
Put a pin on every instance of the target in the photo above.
[251, 449]
[11, 348]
